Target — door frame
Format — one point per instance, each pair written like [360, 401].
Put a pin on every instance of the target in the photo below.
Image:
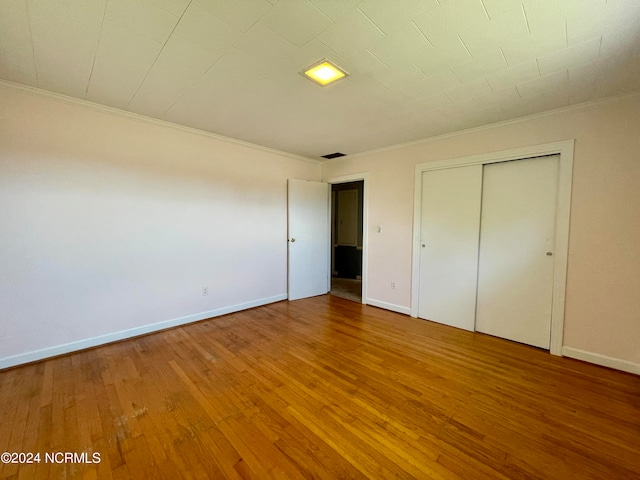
[563, 210]
[355, 177]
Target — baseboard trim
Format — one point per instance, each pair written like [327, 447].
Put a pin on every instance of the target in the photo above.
[388, 306]
[57, 350]
[602, 360]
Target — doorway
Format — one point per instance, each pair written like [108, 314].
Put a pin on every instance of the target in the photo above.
[347, 218]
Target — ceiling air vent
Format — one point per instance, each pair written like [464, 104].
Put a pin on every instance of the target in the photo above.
[334, 155]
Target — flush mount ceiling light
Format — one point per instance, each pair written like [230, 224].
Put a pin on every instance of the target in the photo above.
[324, 72]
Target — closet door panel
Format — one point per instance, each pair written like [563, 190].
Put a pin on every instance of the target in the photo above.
[449, 245]
[515, 277]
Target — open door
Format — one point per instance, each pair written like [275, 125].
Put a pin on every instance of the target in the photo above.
[308, 229]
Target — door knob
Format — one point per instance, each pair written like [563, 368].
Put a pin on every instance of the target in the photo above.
[549, 254]
[293, 239]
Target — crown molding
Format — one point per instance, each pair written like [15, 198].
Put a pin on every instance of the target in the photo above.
[566, 109]
[143, 118]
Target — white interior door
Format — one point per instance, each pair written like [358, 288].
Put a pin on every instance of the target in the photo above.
[515, 276]
[308, 230]
[449, 245]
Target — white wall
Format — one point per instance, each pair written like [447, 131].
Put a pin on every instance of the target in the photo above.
[110, 224]
[602, 316]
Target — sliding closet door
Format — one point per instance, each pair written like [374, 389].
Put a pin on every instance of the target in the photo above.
[449, 245]
[515, 276]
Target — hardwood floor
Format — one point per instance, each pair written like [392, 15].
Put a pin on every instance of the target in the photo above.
[321, 388]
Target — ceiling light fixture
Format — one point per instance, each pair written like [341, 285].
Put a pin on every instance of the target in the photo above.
[324, 72]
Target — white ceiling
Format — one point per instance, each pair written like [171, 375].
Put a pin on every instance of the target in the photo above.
[419, 68]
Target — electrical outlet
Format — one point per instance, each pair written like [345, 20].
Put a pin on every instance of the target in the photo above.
[205, 291]
[393, 285]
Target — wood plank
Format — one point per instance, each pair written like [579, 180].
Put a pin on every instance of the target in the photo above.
[321, 388]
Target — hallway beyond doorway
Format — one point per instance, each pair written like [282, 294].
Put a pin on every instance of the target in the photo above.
[347, 288]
